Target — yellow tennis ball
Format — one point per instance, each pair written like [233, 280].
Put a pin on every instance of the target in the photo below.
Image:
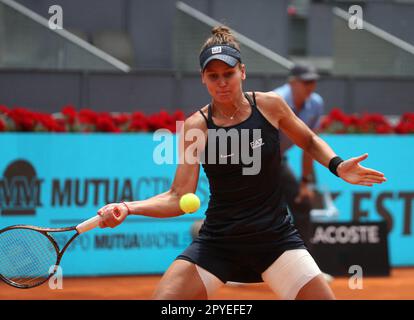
[189, 203]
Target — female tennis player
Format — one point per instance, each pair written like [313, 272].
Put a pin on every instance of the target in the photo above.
[247, 235]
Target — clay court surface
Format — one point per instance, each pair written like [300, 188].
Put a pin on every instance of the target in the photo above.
[400, 285]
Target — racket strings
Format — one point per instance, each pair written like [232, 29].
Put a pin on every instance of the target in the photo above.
[26, 256]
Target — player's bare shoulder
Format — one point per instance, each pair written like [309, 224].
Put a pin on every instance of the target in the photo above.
[196, 120]
[270, 101]
[193, 135]
[271, 105]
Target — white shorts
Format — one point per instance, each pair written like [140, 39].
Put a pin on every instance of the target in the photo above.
[290, 272]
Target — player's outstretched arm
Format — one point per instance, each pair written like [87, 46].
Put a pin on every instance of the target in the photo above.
[349, 170]
[166, 204]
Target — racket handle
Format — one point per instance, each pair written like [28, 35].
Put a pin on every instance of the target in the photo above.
[88, 224]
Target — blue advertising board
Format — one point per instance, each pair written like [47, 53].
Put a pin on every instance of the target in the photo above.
[59, 180]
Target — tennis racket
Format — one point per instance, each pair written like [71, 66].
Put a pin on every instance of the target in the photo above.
[28, 252]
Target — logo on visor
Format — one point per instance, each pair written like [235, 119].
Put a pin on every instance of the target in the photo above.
[215, 50]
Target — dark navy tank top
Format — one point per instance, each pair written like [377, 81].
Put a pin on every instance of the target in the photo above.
[244, 207]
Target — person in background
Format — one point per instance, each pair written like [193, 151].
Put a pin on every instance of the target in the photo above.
[299, 93]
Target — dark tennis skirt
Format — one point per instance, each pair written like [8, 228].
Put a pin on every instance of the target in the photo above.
[239, 262]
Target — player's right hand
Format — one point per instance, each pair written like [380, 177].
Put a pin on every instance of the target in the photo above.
[113, 214]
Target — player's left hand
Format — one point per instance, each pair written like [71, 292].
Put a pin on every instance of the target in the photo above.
[351, 171]
[113, 214]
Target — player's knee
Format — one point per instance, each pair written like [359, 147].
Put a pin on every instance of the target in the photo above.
[184, 294]
[165, 293]
[316, 289]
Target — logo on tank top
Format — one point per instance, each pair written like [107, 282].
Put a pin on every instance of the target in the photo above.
[226, 155]
[257, 143]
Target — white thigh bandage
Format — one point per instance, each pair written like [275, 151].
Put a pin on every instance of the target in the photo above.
[210, 281]
[290, 272]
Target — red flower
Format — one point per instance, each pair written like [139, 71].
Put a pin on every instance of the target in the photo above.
[69, 113]
[408, 117]
[365, 124]
[179, 115]
[338, 122]
[406, 124]
[27, 124]
[154, 122]
[4, 109]
[404, 127]
[173, 127]
[23, 118]
[325, 123]
[138, 115]
[384, 129]
[337, 114]
[87, 116]
[353, 120]
[138, 124]
[61, 125]
[121, 119]
[2, 126]
[48, 123]
[105, 123]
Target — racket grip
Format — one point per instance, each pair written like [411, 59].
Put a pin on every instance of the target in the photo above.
[89, 224]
